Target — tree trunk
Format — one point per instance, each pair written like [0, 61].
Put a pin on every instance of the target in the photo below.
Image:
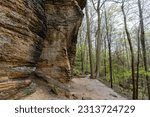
[109, 49]
[98, 46]
[105, 68]
[89, 41]
[142, 36]
[131, 50]
[138, 63]
[128, 63]
[82, 55]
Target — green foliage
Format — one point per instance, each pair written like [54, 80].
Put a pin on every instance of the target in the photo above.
[76, 72]
[143, 73]
[78, 64]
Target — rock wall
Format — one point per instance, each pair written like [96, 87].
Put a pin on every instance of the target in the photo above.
[22, 32]
[63, 21]
[37, 36]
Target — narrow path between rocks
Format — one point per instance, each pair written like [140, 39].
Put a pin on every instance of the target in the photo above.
[80, 88]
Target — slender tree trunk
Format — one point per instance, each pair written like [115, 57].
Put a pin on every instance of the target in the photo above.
[142, 36]
[109, 49]
[98, 46]
[131, 50]
[86, 56]
[123, 63]
[110, 66]
[81, 52]
[105, 47]
[82, 62]
[138, 63]
[128, 63]
[85, 60]
[89, 41]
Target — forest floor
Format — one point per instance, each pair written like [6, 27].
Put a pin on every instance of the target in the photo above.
[80, 89]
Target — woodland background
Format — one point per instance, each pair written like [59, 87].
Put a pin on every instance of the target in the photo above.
[114, 45]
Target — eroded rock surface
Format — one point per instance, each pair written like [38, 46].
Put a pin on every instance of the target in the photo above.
[37, 35]
[63, 21]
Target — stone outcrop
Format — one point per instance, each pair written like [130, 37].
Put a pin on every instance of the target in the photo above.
[37, 37]
[22, 32]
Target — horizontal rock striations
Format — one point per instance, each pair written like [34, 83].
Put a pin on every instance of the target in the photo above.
[37, 37]
[22, 32]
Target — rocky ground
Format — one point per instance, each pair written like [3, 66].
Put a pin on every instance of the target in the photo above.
[80, 89]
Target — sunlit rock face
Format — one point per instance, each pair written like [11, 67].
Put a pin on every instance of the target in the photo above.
[37, 36]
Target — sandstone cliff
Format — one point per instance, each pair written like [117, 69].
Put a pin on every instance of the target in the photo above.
[37, 39]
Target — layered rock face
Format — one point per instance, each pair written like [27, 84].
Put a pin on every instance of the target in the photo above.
[37, 36]
[63, 21]
[22, 32]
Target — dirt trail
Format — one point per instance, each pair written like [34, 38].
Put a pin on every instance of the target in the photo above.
[93, 89]
[80, 88]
